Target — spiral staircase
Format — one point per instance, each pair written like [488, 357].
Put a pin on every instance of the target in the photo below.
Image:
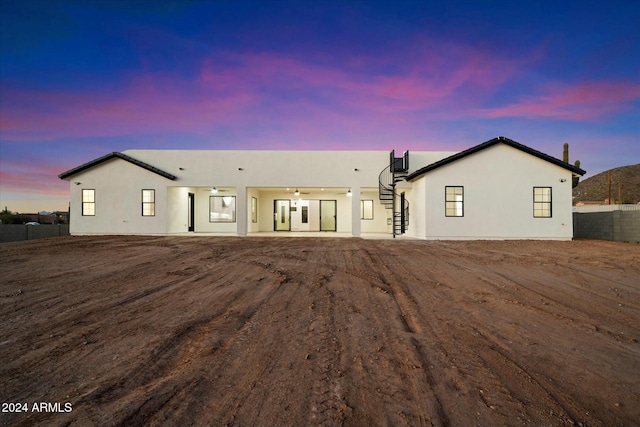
[396, 171]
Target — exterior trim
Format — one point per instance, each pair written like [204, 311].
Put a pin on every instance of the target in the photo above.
[362, 216]
[224, 221]
[83, 203]
[115, 155]
[490, 143]
[453, 201]
[143, 203]
[550, 202]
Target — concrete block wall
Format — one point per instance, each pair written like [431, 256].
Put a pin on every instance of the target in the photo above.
[19, 232]
[617, 226]
[629, 223]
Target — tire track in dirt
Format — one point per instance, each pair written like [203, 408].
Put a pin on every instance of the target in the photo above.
[514, 373]
[327, 402]
[387, 278]
[246, 361]
[380, 367]
[168, 365]
[627, 285]
[510, 373]
[444, 358]
[61, 339]
[570, 314]
[324, 409]
[407, 311]
[388, 327]
[538, 284]
[538, 300]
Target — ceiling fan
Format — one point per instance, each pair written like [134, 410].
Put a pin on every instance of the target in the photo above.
[215, 190]
[297, 192]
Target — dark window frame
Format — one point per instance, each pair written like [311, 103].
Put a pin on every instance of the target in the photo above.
[152, 203]
[538, 203]
[88, 203]
[235, 207]
[362, 216]
[455, 202]
[254, 210]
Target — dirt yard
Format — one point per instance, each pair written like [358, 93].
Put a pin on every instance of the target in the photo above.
[180, 331]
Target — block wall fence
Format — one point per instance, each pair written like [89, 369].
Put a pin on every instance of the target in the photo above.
[617, 226]
[19, 232]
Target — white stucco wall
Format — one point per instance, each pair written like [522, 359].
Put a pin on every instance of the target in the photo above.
[498, 184]
[118, 189]
[247, 173]
[417, 209]
[176, 206]
[268, 168]
[498, 197]
[380, 214]
[203, 222]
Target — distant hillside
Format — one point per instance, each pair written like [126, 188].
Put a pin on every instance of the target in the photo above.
[625, 182]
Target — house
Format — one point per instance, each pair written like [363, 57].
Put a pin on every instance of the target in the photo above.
[500, 189]
[40, 217]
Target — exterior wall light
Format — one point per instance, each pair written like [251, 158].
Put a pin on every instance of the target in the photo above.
[214, 190]
[297, 193]
[349, 193]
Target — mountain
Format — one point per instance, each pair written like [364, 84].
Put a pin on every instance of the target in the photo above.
[625, 186]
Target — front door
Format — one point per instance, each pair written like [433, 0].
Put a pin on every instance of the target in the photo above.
[328, 215]
[191, 212]
[282, 215]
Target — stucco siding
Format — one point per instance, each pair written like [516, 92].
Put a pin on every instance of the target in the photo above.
[268, 168]
[417, 209]
[177, 213]
[380, 214]
[498, 187]
[118, 189]
[498, 183]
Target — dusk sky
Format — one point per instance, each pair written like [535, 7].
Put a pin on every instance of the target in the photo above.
[80, 79]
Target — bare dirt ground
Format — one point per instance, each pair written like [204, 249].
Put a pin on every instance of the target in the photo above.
[181, 331]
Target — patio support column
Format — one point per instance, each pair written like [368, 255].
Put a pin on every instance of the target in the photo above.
[241, 210]
[355, 212]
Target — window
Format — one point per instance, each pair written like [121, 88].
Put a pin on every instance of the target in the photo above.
[542, 202]
[454, 201]
[366, 209]
[305, 214]
[148, 202]
[222, 209]
[254, 210]
[88, 202]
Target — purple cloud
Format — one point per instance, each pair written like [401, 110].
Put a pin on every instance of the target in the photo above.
[581, 102]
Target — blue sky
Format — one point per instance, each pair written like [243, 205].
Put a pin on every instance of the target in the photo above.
[79, 79]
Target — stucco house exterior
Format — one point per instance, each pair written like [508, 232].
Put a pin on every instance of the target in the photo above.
[500, 189]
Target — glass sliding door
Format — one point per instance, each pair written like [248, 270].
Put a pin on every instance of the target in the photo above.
[328, 215]
[282, 215]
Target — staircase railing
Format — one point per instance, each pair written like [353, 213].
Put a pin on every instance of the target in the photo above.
[392, 200]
